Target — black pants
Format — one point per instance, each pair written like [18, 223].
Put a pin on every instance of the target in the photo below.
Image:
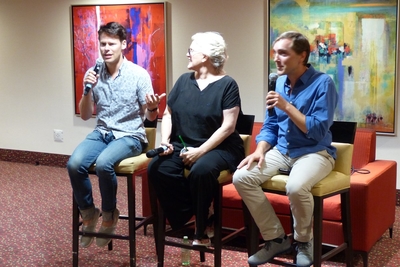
[182, 197]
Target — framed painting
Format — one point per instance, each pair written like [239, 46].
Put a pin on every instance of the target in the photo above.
[355, 42]
[146, 42]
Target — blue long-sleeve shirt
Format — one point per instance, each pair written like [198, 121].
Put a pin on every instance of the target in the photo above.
[314, 95]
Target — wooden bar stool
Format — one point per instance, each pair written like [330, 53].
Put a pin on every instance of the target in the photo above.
[129, 168]
[244, 126]
[337, 182]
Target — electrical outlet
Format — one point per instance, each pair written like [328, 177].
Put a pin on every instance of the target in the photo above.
[58, 135]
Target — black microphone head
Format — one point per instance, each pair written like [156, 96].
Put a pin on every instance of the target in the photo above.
[271, 87]
[151, 153]
[99, 62]
[272, 81]
[96, 68]
[273, 77]
[154, 152]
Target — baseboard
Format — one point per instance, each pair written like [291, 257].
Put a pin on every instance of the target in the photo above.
[35, 158]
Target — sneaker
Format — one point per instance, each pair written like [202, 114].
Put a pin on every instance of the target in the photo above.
[210, 231]
[202, 242]
[305, 254]
[102, 242]
[86, 241]
[271, 249]
[210, 226]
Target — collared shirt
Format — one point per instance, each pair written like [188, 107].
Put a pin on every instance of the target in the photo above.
[315, 96]
[119, 101]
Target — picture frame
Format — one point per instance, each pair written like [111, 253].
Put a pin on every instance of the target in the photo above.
[353, 41]
[146, 42]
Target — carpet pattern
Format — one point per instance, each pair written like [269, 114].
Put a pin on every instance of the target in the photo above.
[36, 227]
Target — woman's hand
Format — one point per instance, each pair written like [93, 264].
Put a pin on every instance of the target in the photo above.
[170, 149]
[191, 155]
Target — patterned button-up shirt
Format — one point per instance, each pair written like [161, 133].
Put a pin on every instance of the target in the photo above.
[119, 101]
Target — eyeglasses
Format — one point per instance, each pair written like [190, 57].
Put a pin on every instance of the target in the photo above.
[191, 52]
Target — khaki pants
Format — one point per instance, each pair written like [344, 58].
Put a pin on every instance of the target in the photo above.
[306, 171]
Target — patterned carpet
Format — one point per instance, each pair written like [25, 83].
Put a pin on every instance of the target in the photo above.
[36, 220]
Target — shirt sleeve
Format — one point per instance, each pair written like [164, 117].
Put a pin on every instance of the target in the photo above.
[232, 96]
[269, 130]
[322, 113]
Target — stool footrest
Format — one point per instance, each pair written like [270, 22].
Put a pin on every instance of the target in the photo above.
[282, 263]
[99, 235]
[196, 248]
[334, 251]
[144, 221]
[234, 233]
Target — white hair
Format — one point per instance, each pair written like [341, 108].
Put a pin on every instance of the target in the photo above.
[213, 45]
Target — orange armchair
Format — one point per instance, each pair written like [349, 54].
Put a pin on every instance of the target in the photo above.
[372, 199]
[372, 195]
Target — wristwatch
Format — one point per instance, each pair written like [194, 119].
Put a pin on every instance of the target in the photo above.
[152, 110]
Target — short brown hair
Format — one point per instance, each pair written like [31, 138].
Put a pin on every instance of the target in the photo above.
[113, 29]
[300, 43]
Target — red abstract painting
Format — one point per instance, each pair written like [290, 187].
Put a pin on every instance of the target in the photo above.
[145, 25]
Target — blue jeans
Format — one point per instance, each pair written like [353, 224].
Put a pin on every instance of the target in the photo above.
[105, 151]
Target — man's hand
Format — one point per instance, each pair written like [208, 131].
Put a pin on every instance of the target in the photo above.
[91, 78]
[274, 99]
[152, 101]
[256, 156]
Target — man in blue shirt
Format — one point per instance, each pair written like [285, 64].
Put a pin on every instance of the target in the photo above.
[296, 136]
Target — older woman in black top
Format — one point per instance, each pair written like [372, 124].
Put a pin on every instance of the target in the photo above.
[202, 110]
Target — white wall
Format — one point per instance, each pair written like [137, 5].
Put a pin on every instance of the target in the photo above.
[36, 71]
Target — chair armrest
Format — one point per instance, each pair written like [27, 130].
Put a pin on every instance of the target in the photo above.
[246, 143]
[373, 202]
[151, 138]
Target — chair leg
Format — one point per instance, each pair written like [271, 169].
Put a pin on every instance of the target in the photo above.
[131, 219]
[160, 239]
[218, 226]
[75, 233]
[318, 211]
[347, 235]
[364, 256]
[202, 256]
[251, 232]
[146, 200]
[154, 213]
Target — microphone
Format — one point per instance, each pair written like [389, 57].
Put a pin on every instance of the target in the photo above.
[154, 152]
[95, 69]
[271, 87]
